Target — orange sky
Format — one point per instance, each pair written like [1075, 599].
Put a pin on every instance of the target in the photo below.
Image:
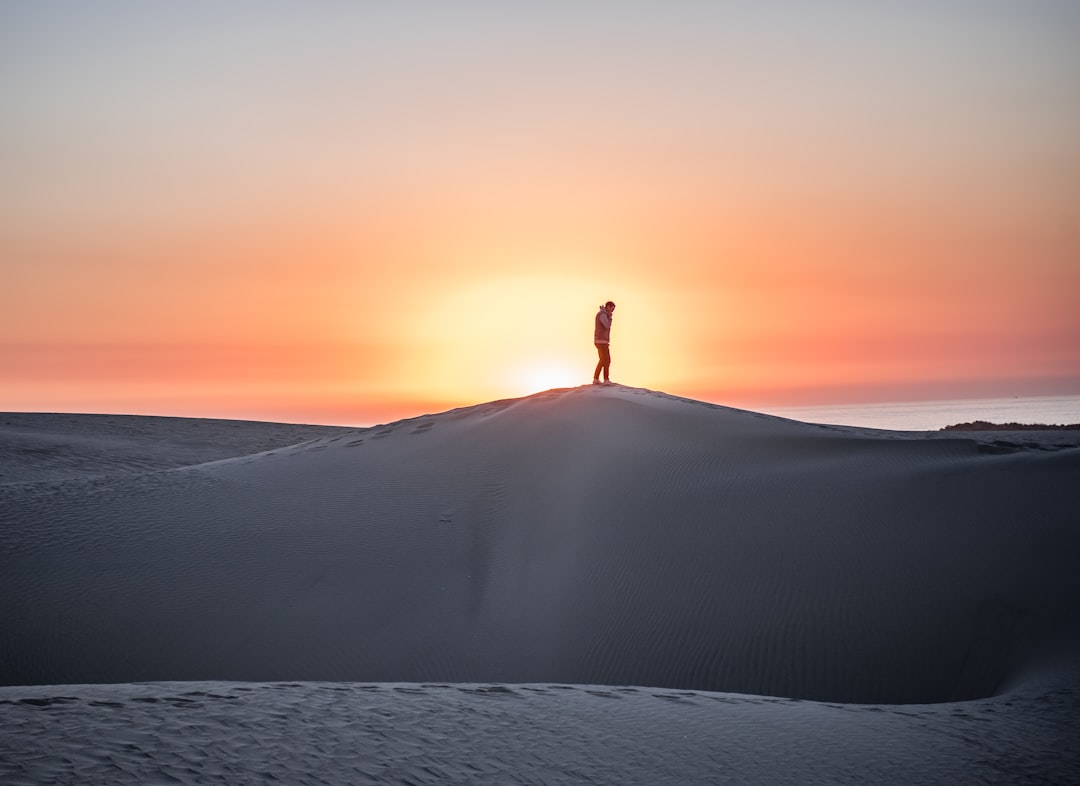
[319, 213]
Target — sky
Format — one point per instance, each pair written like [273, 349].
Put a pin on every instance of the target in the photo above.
[351, 212]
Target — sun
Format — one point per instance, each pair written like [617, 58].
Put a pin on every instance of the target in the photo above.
[540, 376]
[515, 335]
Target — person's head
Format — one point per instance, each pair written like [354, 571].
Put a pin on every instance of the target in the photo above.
[609, 306]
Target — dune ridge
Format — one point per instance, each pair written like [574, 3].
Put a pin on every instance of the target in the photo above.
[603, 535]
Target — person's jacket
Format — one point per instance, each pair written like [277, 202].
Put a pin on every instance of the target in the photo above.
[602, 331]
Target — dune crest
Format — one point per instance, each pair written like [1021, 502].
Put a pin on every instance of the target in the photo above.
[591, 535]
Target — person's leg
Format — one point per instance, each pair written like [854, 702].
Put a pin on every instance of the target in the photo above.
[605, 361]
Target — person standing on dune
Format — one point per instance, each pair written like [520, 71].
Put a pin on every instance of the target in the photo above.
[602, 340]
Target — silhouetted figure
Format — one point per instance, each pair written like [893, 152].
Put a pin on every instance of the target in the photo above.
[602, 340]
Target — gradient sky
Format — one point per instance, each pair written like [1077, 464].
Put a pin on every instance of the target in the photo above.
[348, 212]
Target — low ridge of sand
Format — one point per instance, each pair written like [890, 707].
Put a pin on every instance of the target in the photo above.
[434, 734]
[40, 446]
[593, 536]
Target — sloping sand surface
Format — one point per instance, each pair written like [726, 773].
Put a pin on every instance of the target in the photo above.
[564, 588]
[592, 536]
[59, 446]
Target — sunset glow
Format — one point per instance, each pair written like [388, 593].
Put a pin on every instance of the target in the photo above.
[348, 213]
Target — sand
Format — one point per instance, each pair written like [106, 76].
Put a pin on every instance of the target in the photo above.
[599, 584]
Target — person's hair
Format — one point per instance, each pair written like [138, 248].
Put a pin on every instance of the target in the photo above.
[609, 303]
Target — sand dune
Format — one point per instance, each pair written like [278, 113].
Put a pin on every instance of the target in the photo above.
[596, 536]
[592, 536]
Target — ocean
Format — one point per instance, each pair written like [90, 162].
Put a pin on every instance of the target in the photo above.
[934, 415]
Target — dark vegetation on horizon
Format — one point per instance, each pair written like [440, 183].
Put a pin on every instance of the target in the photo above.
[982, 425]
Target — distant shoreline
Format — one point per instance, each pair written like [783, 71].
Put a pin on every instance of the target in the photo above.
[997, 413]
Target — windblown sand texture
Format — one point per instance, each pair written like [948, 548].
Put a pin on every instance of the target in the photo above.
[675, 551]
